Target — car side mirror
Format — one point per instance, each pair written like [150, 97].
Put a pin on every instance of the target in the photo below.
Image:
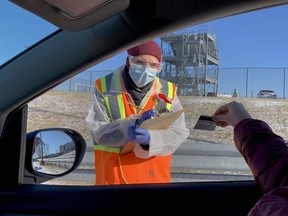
[52, 153]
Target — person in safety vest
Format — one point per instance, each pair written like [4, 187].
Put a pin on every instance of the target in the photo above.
[123, 100]
[265, 153]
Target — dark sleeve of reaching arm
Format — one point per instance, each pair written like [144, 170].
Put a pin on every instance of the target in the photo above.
[265, 153]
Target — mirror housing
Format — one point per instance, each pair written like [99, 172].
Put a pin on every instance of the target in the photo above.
[52, 153]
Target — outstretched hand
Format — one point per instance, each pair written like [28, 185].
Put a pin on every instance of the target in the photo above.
[230, 114]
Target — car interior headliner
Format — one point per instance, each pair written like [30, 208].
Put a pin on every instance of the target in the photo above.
[75, 16]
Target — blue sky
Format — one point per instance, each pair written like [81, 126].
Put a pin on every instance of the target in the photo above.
[256, 39]
[54, 139]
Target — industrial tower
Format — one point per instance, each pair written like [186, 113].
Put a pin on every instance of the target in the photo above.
[190, 60]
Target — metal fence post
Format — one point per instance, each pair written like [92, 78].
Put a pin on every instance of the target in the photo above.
[90, 81]
[284, 82]
[247, 82]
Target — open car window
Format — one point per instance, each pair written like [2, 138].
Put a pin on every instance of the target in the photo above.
[232, 58]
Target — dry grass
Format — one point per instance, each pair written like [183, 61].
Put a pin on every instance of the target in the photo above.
[60, 109]
[69, 109]
[274, 112]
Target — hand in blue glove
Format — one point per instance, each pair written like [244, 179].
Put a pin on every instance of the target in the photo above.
[138, 135]
[146, 115]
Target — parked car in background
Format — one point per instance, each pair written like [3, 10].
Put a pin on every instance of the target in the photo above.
[267, 94]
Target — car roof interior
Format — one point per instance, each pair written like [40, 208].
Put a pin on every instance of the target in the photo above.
[73, 15]
[113, 26]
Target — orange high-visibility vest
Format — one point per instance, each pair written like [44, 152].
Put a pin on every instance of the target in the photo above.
[114, 168]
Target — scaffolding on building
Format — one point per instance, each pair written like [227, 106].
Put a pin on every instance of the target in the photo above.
[190, 60]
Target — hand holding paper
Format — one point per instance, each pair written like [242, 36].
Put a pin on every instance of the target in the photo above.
[141, 135]
[138, 135]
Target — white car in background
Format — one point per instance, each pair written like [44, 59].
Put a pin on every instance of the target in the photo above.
[267, 94]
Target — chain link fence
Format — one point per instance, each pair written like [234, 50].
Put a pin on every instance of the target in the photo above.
[247, 80]
[83, 82]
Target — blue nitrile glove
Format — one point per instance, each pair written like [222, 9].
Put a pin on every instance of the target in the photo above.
[146, 115]
[138, 135]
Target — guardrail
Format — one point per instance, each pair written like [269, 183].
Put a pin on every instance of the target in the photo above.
[193, 161]
[55, 164]
[196, 160]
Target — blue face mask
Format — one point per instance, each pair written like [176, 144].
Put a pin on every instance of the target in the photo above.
[142, 75]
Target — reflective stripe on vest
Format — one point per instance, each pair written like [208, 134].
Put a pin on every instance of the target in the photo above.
[107, 149]
[114, 101]
[169, 90]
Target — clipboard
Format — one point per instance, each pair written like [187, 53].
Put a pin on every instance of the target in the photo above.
[162, 122]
